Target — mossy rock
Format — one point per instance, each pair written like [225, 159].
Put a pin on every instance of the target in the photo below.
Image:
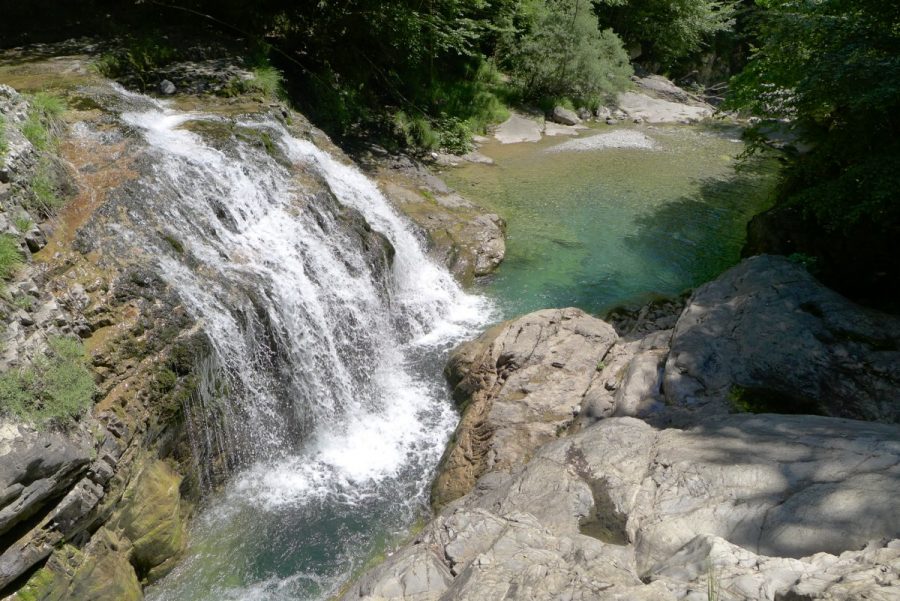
[106, 574]
[152, 519]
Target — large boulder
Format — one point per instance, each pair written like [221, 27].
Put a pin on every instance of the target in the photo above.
[770, 506]
[520, 383]
[564, 116]
[767, 336]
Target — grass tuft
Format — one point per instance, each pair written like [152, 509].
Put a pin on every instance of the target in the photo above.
[10, 255]
[53, 389]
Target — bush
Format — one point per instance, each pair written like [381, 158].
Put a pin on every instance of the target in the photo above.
[43, 117]
[53, 389]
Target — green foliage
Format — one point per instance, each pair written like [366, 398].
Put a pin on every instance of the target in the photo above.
[48, 106]
[833, 68]
[668, 30]
[139, 58]
[10, 255]
[22, 222]
[559, 50]
[53, 389]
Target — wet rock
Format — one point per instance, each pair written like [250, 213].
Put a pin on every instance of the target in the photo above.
[520, 383]
[106, 574]
[767, 336]
[151, 518]
[564, 116]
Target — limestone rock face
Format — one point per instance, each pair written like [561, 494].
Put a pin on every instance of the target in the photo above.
[767, 332]
[521, 383]
[770, 506]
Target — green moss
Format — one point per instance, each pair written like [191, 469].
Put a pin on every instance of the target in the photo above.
[53, 389]
[10, 255]
[175, 243]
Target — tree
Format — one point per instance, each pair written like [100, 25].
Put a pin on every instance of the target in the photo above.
[556, 49]
[833, 68]
[668, 30]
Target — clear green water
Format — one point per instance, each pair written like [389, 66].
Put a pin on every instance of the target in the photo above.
[594, 229]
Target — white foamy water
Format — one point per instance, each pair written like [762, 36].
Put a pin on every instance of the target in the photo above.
[324, 390]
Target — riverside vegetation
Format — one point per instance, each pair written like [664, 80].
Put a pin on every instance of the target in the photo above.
[221, 338]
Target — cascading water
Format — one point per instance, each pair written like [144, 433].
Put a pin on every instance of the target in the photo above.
[324, 387]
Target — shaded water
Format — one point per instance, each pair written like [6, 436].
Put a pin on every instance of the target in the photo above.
[593, 228]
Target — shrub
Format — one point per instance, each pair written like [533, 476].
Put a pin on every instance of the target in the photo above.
[53, 389]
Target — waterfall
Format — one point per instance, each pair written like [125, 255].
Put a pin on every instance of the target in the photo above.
[328, 324]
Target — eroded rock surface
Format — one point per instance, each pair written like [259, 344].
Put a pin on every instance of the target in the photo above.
[522, 383]
[776, 505]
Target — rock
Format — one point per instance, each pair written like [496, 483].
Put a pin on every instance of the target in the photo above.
[518, 128]
[653, 110]
[584, 114]
[767, 336]
[166, 87]
[462, 236]
[36, 468]
[106, 574]
[602, 112]
[35, 239]
[521, 383]
[870, 573]
[564, 116]
[611, 121]
[772, 506]
[151, 518]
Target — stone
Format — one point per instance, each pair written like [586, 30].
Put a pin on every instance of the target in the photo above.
[106, 574]
[564, 116]
[653, 110]
[767, 336]
[517, 129]
[772, 507]
[36, 468]
[166, 87]
[35, 239]
[521, 383]
[152, 518]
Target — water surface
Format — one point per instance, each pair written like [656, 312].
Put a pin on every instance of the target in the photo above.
[596, 228]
